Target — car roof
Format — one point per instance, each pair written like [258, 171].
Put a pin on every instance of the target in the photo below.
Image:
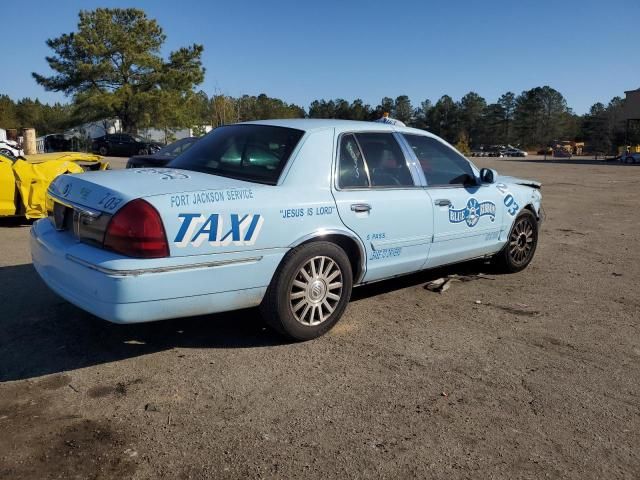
[314, 124]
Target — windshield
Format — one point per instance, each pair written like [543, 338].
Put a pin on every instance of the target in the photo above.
[176, 148]
[256, 153]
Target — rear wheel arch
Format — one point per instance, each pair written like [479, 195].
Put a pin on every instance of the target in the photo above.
[351, 245]
[309, 291]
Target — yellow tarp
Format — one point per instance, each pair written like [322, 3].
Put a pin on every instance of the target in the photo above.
[33, 179]
[34, 174]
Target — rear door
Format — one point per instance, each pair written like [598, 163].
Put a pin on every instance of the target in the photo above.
[378, 199]
[467, 214]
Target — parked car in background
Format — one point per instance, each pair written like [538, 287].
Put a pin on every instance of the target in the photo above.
[514, 152]
[61, 142]
[24, 180]
[124, 145]
[10, 148]
[561, 153]
[630, 158]
[495, 151]
[287, 215]
[162, 156]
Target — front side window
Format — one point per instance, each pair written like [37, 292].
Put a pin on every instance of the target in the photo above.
[255, 153]
[441, 165]
[372, 160]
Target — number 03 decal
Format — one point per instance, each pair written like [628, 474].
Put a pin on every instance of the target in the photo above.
[110, 202]
[511, 204]
[509, 201]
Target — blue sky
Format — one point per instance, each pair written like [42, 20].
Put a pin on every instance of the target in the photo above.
[300, 51]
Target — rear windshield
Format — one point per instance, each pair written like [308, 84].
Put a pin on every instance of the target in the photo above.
[256, 153]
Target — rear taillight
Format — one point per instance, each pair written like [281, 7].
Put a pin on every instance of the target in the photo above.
[136, 230]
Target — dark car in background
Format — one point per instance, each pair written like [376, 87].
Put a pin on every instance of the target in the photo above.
[124, 145]
[162, 156]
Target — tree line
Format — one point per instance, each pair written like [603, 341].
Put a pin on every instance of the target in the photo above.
[533, 119]
[112, 67]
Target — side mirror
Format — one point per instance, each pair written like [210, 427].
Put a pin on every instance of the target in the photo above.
[488, 175]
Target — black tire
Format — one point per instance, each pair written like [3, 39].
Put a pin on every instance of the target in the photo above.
[7, 153]
[521, 244]
[299, 318]
[103, 150]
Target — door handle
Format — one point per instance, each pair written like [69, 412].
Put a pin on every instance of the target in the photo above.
[360, 207]
[443, 202]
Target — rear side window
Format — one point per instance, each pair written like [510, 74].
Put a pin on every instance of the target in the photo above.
[441, 165]
[256, 153]
[352, 171]
[372, 160]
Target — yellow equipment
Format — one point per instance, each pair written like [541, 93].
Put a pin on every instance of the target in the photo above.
[24, 181]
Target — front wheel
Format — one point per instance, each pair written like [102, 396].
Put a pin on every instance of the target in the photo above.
[521, 245]
[103, 150]
[309, 291]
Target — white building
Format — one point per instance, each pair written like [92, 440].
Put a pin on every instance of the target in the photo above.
[171, 135]
[102, 127]
[96, 129]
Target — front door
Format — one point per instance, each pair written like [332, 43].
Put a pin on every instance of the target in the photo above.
[127, 145]
[378, 199]
[467, 214]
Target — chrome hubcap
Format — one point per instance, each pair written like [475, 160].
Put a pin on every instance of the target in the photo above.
[521, 241]
[316, 291]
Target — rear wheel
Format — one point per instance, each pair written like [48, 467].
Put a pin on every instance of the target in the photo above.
[521, 245]
[103, 150]
[309, 292]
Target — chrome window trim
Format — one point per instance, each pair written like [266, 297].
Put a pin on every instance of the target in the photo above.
[415, 163]
[171, 268]
[336, 169]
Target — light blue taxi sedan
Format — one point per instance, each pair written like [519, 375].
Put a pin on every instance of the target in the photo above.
[288, 215]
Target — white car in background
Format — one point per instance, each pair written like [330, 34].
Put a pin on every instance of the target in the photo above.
[514, 152]
[10, 148]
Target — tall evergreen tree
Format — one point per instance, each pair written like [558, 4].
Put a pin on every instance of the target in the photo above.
[112, 67]
[470, 112]
[443, 119]
[402, 109]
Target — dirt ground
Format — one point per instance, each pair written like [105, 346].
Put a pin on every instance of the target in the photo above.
[530, 375]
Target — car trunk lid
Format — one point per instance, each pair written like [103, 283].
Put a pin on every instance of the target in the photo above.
[109, 191]
[84, 205]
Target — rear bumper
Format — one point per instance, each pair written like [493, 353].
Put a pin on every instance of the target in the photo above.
[126, 290]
